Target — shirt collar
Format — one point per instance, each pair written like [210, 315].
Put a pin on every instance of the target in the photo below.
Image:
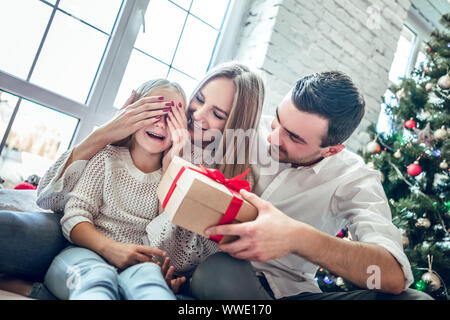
[315, 167]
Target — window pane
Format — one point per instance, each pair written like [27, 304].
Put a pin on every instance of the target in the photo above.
[22, 25]
[38, 136]
[183, 3]
[99, 13]
[402, 55]
[194, 51]
[186, 82]
[70, 57]
[7, 105]
[140, 68]
[163, 22]
[211, 12]
[422, 55]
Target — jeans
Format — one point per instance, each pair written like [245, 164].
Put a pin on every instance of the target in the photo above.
[28, 243]
[81, 274]
[222, 277]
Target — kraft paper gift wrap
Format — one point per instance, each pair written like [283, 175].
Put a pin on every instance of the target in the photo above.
[196, 202]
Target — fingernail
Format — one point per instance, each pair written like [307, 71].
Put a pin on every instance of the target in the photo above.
[243, 191]
[208, 232]
[172, 103]
[166, 109]
[169, 104]
[158, 117]
[161, 98]
[180, 105]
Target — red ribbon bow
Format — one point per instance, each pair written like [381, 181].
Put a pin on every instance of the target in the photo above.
[234, 184]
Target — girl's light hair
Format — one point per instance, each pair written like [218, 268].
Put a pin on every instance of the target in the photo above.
[146, 89]
[245, 112]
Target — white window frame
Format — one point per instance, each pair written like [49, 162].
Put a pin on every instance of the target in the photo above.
[100, 104]
[422, 31]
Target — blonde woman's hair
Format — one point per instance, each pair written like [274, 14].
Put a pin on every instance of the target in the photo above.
[245, 111]
[146, 89]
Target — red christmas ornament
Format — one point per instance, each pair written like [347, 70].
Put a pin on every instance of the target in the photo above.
[25, 186]
[414, 169]
[410, 124]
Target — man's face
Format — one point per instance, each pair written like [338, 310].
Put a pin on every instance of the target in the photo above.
[296, 136]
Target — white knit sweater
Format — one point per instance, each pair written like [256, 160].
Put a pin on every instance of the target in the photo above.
[120, 200]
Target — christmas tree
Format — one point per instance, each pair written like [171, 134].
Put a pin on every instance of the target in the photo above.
[413, 160]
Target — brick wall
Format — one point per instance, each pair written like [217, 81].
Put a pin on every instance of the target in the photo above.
[288, 39]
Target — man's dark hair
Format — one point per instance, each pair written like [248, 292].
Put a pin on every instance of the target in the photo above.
[333, 96]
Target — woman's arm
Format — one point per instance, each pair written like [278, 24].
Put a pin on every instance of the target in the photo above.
[58, 181]
[130, 118]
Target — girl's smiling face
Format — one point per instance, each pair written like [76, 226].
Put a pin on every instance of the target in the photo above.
[156, 138]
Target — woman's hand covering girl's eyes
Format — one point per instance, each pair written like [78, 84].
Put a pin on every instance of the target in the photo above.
[134, 116]
[177, 123]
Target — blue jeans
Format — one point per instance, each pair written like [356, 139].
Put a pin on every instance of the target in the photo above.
[28, 243]
[81, 274]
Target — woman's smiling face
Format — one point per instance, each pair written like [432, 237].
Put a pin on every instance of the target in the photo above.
[210, 108]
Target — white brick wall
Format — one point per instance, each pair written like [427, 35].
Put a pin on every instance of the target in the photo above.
[289, 39]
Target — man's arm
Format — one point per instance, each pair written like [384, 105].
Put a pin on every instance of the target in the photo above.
[273, 235]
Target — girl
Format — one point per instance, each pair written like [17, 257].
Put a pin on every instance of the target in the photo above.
[107, 213]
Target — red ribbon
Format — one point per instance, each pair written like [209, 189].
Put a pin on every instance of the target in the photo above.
[234, 185]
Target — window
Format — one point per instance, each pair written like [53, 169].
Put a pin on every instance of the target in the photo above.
[410, 54]
[177, 44]
[68, 64]
[401, 63]
[33, 142]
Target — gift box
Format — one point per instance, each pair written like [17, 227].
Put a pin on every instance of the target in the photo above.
[197, 198]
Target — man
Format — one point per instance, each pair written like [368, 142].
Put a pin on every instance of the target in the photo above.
[319, 189]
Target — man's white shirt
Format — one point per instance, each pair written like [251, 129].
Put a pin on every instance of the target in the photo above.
[338, 191]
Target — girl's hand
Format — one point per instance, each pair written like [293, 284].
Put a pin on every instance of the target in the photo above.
[134, 116]
[167, 272]
[123, 255]
[177, 123]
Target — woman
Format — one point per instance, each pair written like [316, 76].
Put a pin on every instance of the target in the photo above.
[229, 97]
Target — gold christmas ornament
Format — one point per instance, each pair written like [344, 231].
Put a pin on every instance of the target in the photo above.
[371, 165]
[431, 277]
[423, 222]
[373, 147]
[429, 86]
[400, 94]
[444, 82]
[434, 283]
[443, 165]
[397, 154]
[440, 134]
